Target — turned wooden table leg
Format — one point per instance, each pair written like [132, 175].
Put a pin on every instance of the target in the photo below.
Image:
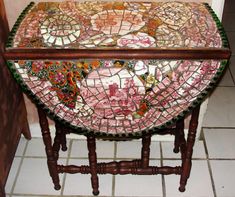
[187, 163]
[178, 133]
[182, 142]
[91, 144]
[145, 152]
[63, 139]
[57, 141]
[51, 161]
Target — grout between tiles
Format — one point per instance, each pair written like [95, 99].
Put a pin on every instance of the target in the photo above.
[209, 165]
[114, 178]
[163, 178]
[67, 163]
[161, 159]
[233, 77]
[19, 168]
[44, 195]
[218, 127]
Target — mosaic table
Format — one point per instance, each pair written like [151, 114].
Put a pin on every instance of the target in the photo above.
[118, 69]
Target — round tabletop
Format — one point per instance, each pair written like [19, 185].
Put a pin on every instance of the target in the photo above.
[118, 96]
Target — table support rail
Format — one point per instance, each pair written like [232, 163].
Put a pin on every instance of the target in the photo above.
[115, 168]
[136, 167]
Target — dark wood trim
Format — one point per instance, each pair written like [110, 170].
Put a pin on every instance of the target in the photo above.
[4, 27]
[179, 53]
[13, 115]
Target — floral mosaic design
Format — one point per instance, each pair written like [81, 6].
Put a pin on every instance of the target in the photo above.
[117, 96]
[118, 25]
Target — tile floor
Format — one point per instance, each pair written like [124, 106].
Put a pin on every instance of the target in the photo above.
[212, 172]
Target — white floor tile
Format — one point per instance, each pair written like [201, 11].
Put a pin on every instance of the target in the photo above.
[226, 79]
[198, 150]
[224, 179]
[220, 143]
[35, 196]
[104, 149]
[36, 148]
[21, 147]
[139, 185]
[132, 149]
[80, 184]
[221, 108]
[12, 175]
[28, 196]
[199, 183]
[34, 178]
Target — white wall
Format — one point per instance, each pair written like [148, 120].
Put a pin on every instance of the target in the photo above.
[218, 7]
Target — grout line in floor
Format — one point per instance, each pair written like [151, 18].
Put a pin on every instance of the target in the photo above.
[125, 159]
[67, 163]
[231, 75]
[19, 168]
[163, 178]
[45, 195]
[208, 163]
[115, 154]
[113, 177]
[218, 127]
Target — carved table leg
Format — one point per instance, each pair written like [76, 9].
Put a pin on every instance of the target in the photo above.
[187, 163]
[57, 141]
[178, 133]
[182, 141]
[91, 144]
[63, 140]
[52, 163]
[145, 152]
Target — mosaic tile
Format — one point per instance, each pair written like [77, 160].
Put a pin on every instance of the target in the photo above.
[117, 25]
[117, 96]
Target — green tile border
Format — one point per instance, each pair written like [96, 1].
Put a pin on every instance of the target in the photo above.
[84, 131]
[219, 25]
[21, 17]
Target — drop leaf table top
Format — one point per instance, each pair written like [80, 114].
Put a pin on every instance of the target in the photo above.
[117, 68]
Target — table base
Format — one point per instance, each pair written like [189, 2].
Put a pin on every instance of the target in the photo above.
[138, 166]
